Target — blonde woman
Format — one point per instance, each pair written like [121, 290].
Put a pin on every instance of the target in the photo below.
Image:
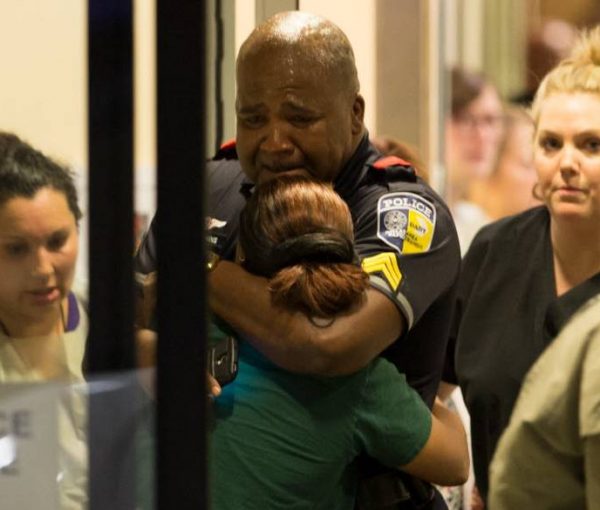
[518, 267]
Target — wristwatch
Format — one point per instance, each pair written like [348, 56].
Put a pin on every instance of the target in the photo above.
[212, 260]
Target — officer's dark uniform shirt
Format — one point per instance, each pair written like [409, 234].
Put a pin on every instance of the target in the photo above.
[507, 312]
[226, 197]
[404, 236]
[407, 242]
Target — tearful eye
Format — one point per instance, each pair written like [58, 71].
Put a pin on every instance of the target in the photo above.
[252, 121]
[301, 120]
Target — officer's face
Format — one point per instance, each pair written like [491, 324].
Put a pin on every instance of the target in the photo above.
[293, 118]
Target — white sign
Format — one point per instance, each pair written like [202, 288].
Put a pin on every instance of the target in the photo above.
[29, 446]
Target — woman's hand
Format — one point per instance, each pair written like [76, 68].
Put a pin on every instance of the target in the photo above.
[214, 388]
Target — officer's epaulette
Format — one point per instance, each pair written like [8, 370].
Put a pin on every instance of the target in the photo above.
[227, 150]
[393, 168]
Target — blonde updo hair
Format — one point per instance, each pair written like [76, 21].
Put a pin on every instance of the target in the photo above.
[579, 72]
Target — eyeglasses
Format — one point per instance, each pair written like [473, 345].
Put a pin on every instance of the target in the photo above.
[490, 122]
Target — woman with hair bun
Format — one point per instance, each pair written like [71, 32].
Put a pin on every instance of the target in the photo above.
[299, 234]
[285, 440]
[528, 271]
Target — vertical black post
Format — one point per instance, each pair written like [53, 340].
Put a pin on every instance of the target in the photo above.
[110, 345]
[181, 394]
[110, 185]
[219, 55]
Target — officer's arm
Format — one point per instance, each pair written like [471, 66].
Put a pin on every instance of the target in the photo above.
[290, 339]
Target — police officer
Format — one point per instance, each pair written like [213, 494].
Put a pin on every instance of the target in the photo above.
[299, 111]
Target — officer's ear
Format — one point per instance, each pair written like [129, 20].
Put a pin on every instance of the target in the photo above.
[358, 115]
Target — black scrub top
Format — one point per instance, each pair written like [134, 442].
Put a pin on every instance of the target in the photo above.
[507, 312]
[506, 286]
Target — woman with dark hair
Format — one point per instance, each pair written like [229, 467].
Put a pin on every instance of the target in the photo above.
[285, 440]
[300, 235]
[43, 327]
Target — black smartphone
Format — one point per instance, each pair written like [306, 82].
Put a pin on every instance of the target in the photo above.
[222, 360]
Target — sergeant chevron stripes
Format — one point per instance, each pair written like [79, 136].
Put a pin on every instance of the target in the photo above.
[386, 264]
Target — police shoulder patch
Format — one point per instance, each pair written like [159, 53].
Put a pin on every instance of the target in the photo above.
[384, 265]
[406, 222]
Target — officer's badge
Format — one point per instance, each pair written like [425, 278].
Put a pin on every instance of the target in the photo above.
[406, 222]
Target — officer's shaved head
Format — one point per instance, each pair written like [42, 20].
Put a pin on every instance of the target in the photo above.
[309, 38]
[298, 106]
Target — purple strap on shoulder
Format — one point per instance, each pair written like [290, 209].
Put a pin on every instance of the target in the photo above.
[73, 314]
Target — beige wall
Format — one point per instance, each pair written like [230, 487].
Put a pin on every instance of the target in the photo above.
[43, 96]
[357, 20]
[43, 91]
[145, 83]
[399, 94]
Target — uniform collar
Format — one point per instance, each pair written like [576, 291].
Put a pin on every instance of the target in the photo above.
[354, 171]
[246, 187]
